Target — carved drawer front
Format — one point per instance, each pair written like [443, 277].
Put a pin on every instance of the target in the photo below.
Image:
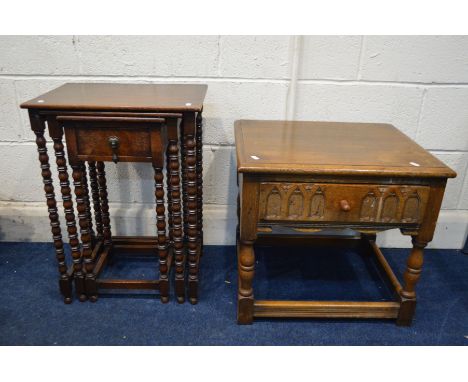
[348, 203]
[118, 144]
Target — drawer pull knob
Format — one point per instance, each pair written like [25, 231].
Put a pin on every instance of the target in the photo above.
[114, 145]
[345, 205]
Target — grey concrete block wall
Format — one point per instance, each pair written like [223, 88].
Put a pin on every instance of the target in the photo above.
[417, 83]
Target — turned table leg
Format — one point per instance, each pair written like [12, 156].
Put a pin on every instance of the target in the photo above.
[90, 278]
[170, 223]
[161, 227]
[411, 278]
[176, 213]
[183, 151]
[56, 133]
[102, 186]
[199, 153]
[415, 259]
[88, 205]
[247, 211]
[245, 298]
[96, 199]
[192, 212]
[38, 126]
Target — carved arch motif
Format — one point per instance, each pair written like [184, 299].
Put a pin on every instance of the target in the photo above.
[369, 207]
[273, 204]
[295, 204]
[390, 208]
[411, 208]
[317, 204]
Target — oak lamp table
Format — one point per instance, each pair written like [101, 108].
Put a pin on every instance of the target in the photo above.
[312, 176]
[123, 123]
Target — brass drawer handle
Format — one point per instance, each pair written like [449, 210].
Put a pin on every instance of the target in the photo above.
[114, 145]
[345, 205]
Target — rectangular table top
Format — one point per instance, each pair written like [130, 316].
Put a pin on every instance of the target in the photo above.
[339, 148]
[121, 97]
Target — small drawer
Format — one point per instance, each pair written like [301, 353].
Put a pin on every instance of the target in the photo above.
[117, 139]
[342, 203]
[104, 144]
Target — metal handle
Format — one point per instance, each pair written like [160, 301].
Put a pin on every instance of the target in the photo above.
[345, 205]
[114, 145]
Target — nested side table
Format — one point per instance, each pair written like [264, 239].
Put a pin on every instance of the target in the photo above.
[123, 122]
[307, 177]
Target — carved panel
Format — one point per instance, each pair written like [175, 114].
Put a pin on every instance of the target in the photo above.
[389, 209]
[411, 209]
[317, 205]
[366, 203]
[273, 205]
[369, 208]
[295, 204]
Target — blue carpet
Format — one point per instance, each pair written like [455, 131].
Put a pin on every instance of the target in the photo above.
[32, 311]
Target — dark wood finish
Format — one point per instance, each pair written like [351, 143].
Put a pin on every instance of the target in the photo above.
[92, 114]
[122, 122]
[110, 118]
[161, 228]
[90, 285]
[102, 255]
[192, 213]
[121, 97]
[88, 204]
[175, 220]
[138, 243]
[199, 142]
[183, 150]
[56, 134]
[314, 176]
[170, 222]
[38, 126]
[89, 137]
[109, 138]
[104, 202]
[96, 199]
[129, 284]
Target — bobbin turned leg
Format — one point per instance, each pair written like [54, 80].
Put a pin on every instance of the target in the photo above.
[56, 132]
[176, 212]
[38, 126]
[411, 277]
[183, 150]
[88, 204]
[191, 198]
[161, 226]
[96, 200]
[245, 298]
[102, 215]
[102, 186]
[170, 223]
[199, 153]
[90, 278]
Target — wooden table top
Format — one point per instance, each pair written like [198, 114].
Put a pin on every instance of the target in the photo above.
[332, 148]
[134, 97]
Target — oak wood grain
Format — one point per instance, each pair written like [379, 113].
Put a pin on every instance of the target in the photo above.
[309, 177]
[332, 148]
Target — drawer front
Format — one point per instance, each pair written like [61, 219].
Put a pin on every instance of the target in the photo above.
[129, 144]
[347, 203]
